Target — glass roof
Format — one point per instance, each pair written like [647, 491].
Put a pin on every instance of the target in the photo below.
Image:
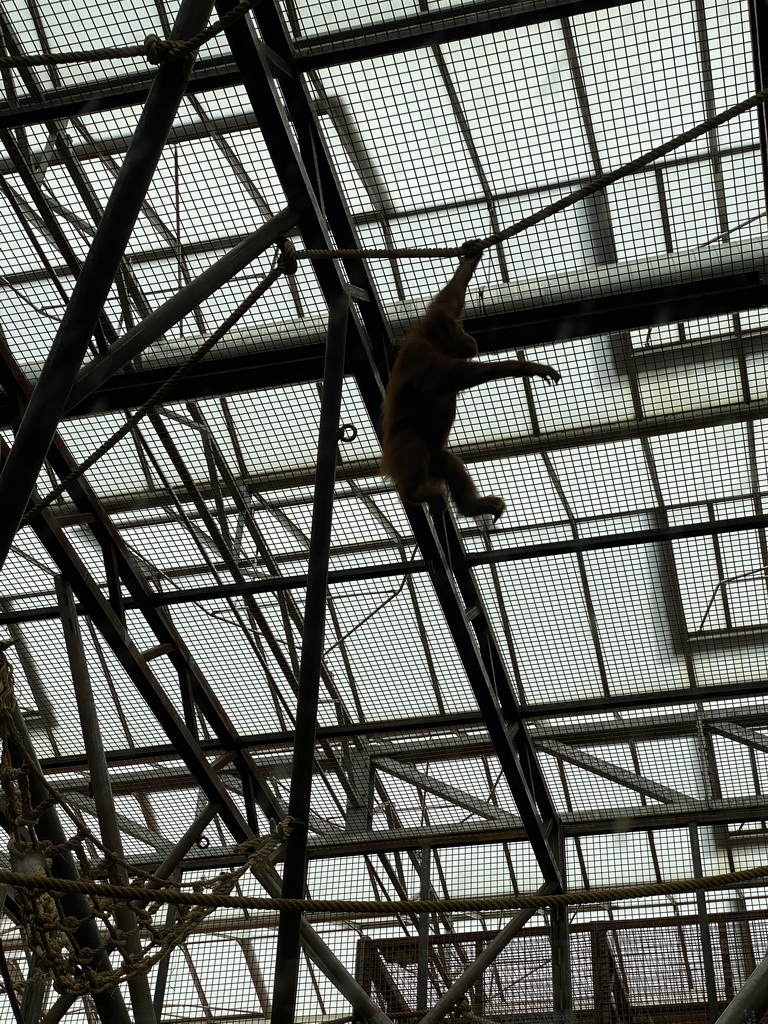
[624, 590]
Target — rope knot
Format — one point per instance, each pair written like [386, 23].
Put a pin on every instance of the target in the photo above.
[287, 263]
[155, 49]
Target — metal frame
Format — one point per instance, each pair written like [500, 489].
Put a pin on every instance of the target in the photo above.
[270, 67]
[294, 886]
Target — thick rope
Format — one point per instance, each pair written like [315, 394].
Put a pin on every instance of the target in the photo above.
[595, 185]
[154, 49]
[578, 897]
[291, 255]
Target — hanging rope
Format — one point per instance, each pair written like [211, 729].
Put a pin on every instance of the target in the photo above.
[489, 904]
[595, 185]
[154, 49]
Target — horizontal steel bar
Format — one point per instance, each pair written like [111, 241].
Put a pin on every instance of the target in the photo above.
[475, 559]
[355, 43]
[113, 94]
[607, 821]
[621, 297]
[451, 723]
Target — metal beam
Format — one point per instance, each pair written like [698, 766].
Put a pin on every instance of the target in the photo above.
[603, 821]
[488, 675]
[751, 1001]
[418, 724]
[46, 405]
[188, 298]
[475, 805]
[216, 376]
[295, 868]
[498, 555]
[614, 773]
[628, 305]
[758, 19]
[649, 699]
[749, 737]
[298, 152]
[220, 72]
[210, 73]
[710, 978]
[500, 331]
[562, 989]
[458, 735]
[174, 857]
[355, 43]
[125, 918]
[422, 965]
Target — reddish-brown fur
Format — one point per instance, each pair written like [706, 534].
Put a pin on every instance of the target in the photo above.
[432, 366]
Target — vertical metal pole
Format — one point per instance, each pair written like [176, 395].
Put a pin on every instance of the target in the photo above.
[706, 939]
[601, 983]
[138, 986]
[295, 865]
[324, 958]
[423, 961]
[48, 400]
[161, 975]
[562, 997]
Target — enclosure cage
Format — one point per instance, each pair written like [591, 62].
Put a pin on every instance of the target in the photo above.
[276, 744]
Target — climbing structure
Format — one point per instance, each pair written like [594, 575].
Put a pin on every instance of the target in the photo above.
[275, 746]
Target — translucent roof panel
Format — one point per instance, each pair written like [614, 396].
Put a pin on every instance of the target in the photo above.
[572, 696]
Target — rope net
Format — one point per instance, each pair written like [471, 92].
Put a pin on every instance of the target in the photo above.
[80, 940]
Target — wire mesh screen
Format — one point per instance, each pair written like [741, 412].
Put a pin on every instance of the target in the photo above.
[576, 691]
[643, 970]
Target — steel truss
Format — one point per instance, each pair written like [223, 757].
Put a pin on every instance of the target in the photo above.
[270, 67]
[262, 64]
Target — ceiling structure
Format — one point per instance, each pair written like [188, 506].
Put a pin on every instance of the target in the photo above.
[571, 698]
